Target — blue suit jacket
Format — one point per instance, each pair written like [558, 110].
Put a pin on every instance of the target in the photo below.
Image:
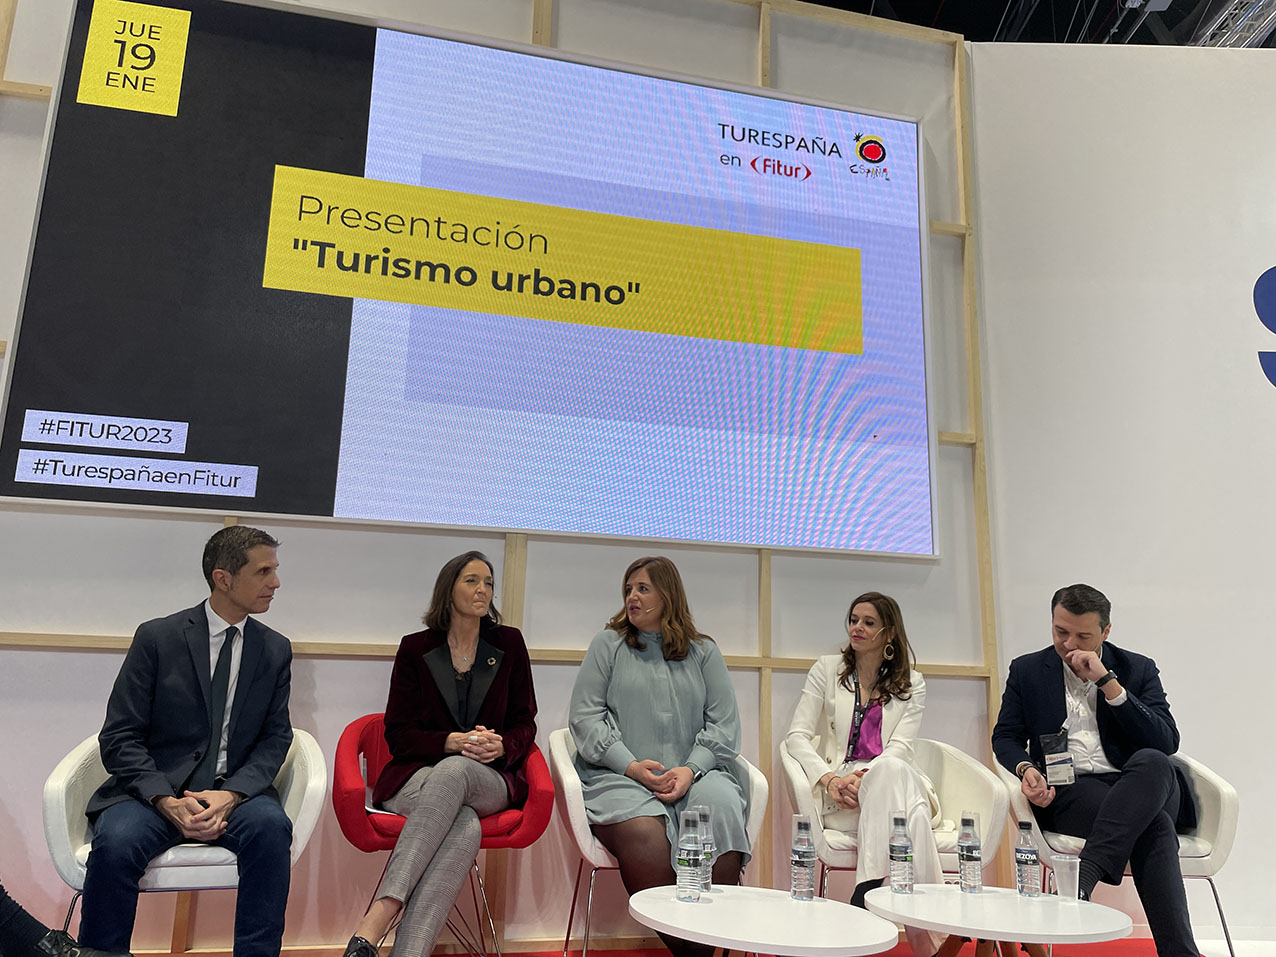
[157, 723]
[1033, 704]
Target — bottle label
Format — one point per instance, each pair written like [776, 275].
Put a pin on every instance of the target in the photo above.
[688, 859]
[1026, 855]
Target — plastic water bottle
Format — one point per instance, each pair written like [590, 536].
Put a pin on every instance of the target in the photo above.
[802, 860]
[901, 850]
[689, 853]
[969, 859]
[1027, 863]
[707, 848]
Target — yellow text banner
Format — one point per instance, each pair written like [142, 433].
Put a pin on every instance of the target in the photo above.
[341, 235]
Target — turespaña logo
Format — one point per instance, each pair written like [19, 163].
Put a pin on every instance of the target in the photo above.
[1265, 306]
[870, 148]
[768, 166]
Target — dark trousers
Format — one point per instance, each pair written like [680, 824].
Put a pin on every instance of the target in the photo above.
[1129, 816]
[19, 931]
[128, 835]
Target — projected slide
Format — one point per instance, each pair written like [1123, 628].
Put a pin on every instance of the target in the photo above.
[339, 271]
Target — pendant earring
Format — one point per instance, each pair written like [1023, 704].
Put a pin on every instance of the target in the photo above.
[888, 652]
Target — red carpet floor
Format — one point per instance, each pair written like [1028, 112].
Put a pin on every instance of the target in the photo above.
[1130, 947]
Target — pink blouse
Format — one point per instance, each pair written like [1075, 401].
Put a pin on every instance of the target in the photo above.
[869, 745]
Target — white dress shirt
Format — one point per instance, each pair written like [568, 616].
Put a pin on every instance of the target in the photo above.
[1082, 723]
[217, 629]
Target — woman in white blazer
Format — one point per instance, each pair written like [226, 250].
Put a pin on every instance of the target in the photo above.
[853, 734]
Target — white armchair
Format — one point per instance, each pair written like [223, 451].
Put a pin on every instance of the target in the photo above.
[1202, 851]
[571, 809]
[302, 783]
[961, 782]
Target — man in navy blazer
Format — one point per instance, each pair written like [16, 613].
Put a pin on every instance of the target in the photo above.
[196, 729]
[1127, 797]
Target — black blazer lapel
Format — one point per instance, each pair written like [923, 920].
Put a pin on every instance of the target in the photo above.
[487, 661]
[439, 661]
[249, 661]
[196, 635]
[1056, 709]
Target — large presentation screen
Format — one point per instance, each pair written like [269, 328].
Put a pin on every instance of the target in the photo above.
[289, 264]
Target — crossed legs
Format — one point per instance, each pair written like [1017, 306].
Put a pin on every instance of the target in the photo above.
[434, 852]
[1129, 816]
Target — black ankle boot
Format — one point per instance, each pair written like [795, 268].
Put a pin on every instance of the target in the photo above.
[857, 899]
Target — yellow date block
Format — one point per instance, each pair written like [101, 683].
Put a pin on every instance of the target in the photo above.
[134, 57]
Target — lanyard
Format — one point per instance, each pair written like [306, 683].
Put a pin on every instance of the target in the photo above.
[860, 711]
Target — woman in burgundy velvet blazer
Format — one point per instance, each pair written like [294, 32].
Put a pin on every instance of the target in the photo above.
[421, 709]
[460, 722]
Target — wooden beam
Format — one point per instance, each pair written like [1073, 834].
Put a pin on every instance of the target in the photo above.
[763, 850]
[940, 228]
[183, 917]
[8, 10]
[543, 23]
[384, 650]
[495, 865]
[957, 438]
[764, 45]
[975, 412]
[25, 91]
[514, 579]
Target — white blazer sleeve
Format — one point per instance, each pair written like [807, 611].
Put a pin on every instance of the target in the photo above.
[812, 715]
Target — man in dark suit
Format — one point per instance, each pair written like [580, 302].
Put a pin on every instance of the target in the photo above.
[196, 729]
[1127, 797]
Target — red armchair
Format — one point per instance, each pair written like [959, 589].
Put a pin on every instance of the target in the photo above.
[362, 753]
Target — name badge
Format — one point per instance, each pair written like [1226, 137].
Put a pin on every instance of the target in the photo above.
[1059, 766]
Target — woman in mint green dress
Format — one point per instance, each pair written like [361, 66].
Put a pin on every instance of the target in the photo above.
[657, 730]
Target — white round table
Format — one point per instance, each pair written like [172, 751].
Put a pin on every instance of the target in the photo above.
[999, 913]
[765, 921]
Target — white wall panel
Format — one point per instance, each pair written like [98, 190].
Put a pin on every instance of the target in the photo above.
[75, 571]
[1127, 212]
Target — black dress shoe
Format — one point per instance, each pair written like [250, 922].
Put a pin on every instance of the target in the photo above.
[359, 947]
[57, 943]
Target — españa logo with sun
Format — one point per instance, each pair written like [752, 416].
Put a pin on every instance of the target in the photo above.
[870, 148]
[870, 151]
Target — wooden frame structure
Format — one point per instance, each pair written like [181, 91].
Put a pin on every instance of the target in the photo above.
[961, 231]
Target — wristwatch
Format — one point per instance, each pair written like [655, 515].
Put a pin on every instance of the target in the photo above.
[1022, 768]
[1105, 679]
[696, 773]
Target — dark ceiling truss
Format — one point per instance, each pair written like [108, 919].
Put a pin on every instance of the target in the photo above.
[1235, 23]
